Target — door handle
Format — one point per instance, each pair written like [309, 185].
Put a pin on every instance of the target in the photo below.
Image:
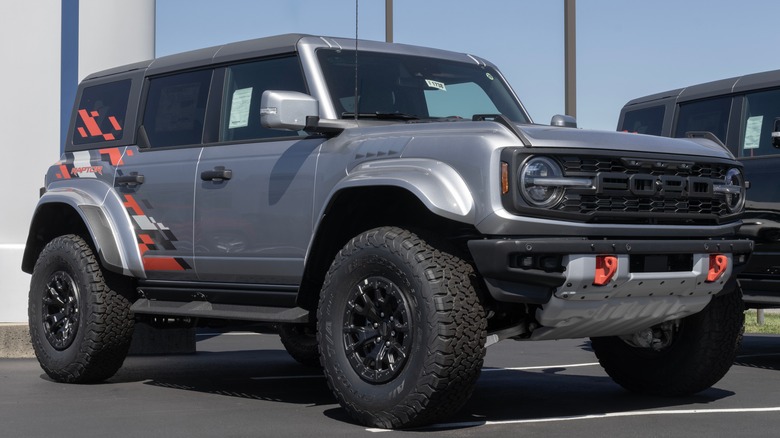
[130, 180]
[218, 174]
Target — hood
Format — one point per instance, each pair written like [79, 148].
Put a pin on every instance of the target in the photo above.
[555, 137]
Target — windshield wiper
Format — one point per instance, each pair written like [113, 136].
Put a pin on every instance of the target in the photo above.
[380, 116]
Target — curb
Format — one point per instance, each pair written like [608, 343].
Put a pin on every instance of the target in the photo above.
[147, 340]
[15, 341]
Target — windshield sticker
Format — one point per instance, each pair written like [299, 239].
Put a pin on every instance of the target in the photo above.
[753, 132]
[489, 76]
[239, 110]
[436, 84]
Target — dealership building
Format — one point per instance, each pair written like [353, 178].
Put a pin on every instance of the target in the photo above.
[48, 47]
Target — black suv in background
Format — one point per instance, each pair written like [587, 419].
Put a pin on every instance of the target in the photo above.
[743, 113]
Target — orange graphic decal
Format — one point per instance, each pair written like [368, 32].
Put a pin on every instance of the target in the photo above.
[114, 123]
[92, 126]
[114, 155]
[146, 240]
[162, 264]
[63, 172]
[131, 204]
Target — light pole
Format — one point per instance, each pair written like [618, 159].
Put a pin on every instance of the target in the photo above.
[389, 21]
[570, 49]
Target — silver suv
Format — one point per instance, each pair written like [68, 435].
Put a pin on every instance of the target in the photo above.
[392, 210]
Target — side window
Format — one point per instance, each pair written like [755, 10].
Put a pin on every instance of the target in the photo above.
[244, 88]
[704, 115]
[758, 119]
[101, 113]
[176, 108]
[644, 121]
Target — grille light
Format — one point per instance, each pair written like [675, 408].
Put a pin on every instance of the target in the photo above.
[535, 181]
[733, 190]
[542, 182]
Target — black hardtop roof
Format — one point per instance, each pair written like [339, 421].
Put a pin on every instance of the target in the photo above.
[269, 46]
[736, 84]
[211, 55]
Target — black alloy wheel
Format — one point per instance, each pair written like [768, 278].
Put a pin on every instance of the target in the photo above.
[377, 329]
[60, 305]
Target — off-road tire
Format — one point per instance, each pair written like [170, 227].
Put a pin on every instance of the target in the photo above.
[438, 322]
[80, 327]
[703, 350]
[300, 341]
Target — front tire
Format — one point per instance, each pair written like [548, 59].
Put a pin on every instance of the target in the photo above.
[677, 359]
[401, 329]
[80, 327]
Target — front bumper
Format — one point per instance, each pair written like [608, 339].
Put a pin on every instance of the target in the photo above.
[655, 281]
[500, 262]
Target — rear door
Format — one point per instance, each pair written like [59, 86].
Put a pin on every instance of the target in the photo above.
[156, 181]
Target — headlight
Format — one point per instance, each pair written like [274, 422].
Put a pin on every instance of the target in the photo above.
[540, 182]
[733, 190]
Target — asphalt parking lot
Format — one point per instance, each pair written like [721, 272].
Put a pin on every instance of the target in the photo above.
[242, 385]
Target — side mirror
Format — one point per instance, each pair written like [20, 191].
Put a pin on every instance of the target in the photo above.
[563, 121]
[776, 133]
[288, 110]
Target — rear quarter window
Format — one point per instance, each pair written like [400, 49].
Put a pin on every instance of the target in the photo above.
[644, 121]
[710, 115]
[175, 109]
[100, 113]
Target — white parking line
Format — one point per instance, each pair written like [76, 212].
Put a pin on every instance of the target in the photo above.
[609, 415]
[543, 367]
[308, 376]
[593, 417]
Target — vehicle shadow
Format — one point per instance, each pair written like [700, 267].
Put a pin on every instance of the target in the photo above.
[500, 395]
[759, 351]
[250, 374]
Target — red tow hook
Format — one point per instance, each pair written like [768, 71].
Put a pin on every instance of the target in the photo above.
[606, 267]
[718, 265]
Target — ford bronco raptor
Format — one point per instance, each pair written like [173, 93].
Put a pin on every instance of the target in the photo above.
[393, 210]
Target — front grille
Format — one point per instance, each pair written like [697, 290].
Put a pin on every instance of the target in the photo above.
[585, 204]
[580, 166]
[650, 190]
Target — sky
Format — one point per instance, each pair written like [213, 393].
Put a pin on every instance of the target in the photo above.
[625, 48]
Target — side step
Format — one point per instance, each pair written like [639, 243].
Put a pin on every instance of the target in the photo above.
[204, 309]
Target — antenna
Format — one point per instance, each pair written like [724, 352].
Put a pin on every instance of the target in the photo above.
[355, 110]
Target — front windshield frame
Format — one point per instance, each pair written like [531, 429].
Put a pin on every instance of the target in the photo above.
[396, 86]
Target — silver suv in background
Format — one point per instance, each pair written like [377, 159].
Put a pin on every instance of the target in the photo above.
[393, 210]
[744, 114]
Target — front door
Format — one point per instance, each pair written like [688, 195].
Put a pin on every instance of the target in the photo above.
[253, 197]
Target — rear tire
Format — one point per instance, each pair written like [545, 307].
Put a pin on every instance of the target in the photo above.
[80, 327]
[300, 341]
[401, 329]
[689, 358]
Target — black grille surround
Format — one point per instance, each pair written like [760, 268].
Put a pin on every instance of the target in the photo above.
[638, 188]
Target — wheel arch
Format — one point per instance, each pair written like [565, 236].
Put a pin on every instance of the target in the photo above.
[356, 208]
[435, 184]
[103, 222]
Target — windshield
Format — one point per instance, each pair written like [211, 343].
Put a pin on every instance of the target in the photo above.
[403, 87]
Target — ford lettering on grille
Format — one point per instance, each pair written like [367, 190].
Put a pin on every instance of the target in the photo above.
[645, 185]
